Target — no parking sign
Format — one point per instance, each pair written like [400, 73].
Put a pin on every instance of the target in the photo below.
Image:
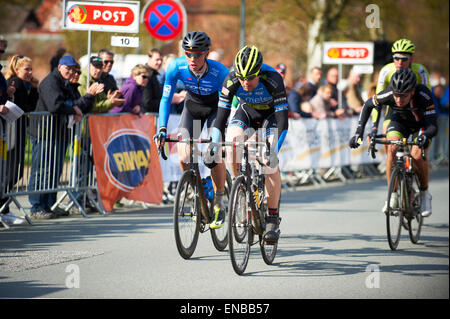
[164, 19]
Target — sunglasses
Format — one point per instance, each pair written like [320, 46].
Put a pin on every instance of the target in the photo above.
[401, 58]
[108, 62]
[401, 94]
[247, 78]
[145, 76]
[194, 54]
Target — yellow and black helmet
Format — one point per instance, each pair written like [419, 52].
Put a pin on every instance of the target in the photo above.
[403, 46]
[248, 62]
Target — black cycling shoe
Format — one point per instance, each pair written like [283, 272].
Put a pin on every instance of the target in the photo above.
[272, 231]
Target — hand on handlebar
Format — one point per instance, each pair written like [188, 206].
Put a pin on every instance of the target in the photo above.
[210, 157]
[422, 141]
[356, 141]
[160, 138]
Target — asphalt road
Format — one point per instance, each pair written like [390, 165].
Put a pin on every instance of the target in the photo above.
[333, 245]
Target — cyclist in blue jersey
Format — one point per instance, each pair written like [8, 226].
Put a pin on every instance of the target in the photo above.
[203, 80]
[263, 106]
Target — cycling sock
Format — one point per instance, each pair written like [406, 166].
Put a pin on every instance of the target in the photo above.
[218, 200]
[273, 212]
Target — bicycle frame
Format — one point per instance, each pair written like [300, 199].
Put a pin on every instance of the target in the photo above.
[254, 180]
[201, 196]
[403, 179]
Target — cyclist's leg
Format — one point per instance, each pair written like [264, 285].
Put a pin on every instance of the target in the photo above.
[273, 186]
[218, 173]
[423, 173]
[422, 166]
[185, 128]
[189, 127]
[236, 132]
[395, 131]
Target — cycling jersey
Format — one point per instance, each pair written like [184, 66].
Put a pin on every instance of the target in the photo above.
[384, 78]
[269, 97]
[388, 70]
[202, 93]
[419, 113]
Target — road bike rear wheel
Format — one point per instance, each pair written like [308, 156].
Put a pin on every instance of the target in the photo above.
[394, 215]
[415, 222]
[186, 215]
[240, 233]
[220, 236]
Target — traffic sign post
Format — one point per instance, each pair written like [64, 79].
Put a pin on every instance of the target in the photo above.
[347, 53]
[165, 19]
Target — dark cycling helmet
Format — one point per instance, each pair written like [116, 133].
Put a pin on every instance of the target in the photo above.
[196, 41]
[248, 62]
[403, 46]
[403, 81]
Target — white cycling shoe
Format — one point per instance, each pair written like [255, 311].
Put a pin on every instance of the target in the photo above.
[425, 207]
[394, 203]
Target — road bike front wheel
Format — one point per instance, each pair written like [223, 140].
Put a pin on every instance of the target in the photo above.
[240, 234]
[220, 236]
[416, 220]
[268, 251]
[186, 216]
[394, 214]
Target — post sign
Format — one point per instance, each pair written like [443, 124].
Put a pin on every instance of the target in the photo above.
[348, 53]
[105, 16]
[164, 19]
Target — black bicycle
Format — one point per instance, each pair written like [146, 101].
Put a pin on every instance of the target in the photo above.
[403, 208]
[193, 211]
[248, 207]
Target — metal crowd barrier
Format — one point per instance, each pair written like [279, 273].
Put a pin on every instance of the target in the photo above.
[42, 153]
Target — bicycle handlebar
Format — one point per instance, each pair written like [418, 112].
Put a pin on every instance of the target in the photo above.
[379, 139]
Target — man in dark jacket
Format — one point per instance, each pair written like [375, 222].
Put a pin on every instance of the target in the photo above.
[151, 97]
[50, 134]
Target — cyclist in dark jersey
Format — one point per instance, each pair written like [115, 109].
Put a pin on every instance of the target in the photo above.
[413, 113]
[263, 106]
[203, 80]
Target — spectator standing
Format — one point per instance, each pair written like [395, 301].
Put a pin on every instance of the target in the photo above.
[133, 90]
[353, 93]
[19, 75]
[322, 106]
[439, 147]
[315, 75]
[298, 102]
[107, 79]
[103, 101]
[56, 97]
[282, 69]
[152, 94]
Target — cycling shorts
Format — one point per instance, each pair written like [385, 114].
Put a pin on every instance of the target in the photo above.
[402, 129]
[248, 118]
[190, 125]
